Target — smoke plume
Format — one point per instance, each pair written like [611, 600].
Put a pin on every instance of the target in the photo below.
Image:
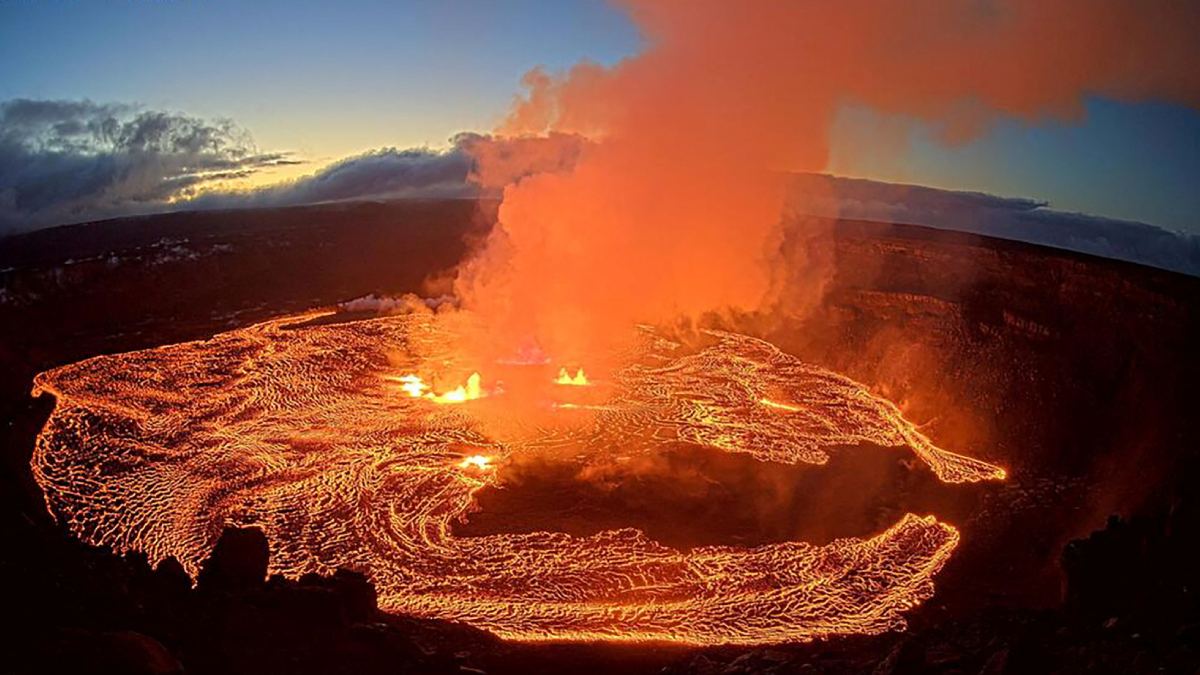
[674, 207]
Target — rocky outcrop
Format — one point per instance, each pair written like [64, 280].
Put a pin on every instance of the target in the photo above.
[87, 610]
[238, 561]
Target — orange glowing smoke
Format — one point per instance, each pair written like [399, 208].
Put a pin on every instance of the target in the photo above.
[674, 205]
[298, 429]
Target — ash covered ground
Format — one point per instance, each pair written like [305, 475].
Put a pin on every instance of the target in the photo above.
[1073, 372]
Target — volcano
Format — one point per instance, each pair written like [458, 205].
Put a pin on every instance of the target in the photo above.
[760, 479]
[294, 428]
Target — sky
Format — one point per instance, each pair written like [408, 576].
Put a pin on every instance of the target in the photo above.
[1129, 161]
[316, 77]
[323, 81]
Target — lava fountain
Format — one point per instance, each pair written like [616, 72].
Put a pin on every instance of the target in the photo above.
[341, 450]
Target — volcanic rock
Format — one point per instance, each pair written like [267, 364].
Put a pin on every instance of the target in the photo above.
[1077, 373]
[123, 651]
[238, 562]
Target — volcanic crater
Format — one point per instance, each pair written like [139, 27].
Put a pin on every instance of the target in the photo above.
[327, 438]
[1065, 370]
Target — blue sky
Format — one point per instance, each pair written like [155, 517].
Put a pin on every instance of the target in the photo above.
[330, 79]
[325, 78]
[1128, 161]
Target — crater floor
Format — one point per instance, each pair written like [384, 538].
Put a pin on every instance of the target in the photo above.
[301, 427]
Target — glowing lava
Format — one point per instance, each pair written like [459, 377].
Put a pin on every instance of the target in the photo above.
[779, 406]
[579, 380]
[415, 387]
[297, 429]
[476, 462]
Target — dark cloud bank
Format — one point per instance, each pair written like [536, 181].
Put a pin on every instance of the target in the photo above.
[73, 161]
[70, 161]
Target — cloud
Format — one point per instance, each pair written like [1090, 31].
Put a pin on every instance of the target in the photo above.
[74, 161]
[69, 161]
[64, 161]
[387, 173]
[473, 166]
[1003, 217]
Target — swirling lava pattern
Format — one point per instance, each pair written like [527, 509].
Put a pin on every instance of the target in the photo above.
[298, 428]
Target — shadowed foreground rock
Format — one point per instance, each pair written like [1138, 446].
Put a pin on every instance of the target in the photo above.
[238, 561]
[87, 610]
[107, 613]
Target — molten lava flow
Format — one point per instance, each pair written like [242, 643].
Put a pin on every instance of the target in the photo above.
[781, 406]
[476, 462]
[415, 387]
[296, 428]
[579, 380]
[470, 392]
[580, 406]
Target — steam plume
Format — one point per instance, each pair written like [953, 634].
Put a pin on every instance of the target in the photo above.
[675, 206]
